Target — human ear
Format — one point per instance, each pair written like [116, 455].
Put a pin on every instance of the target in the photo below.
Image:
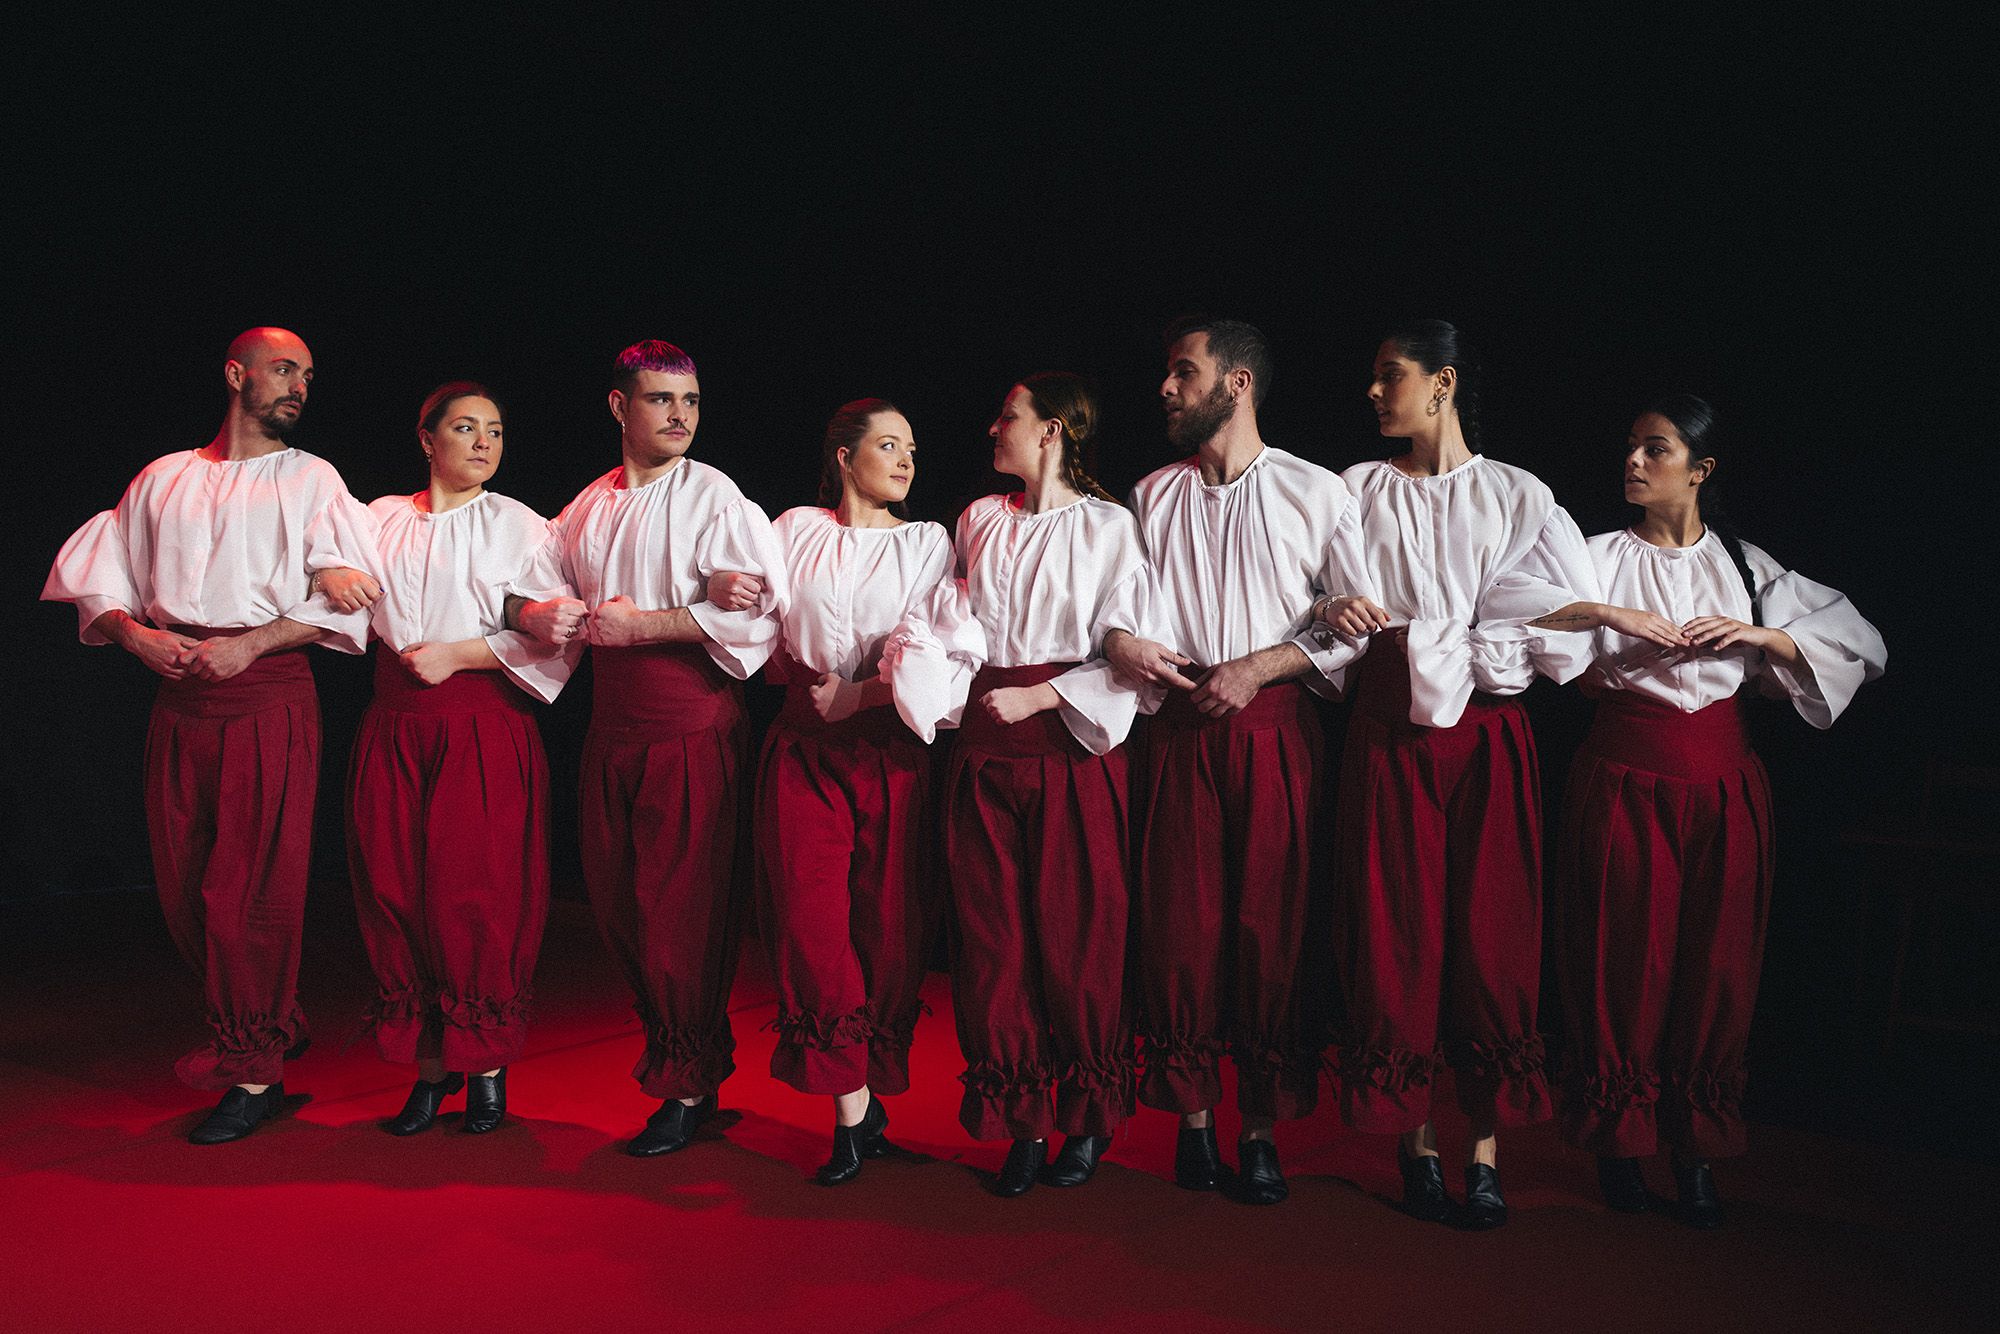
[618, 405]
[233, 373]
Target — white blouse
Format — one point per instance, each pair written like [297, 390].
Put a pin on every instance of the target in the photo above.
[1235, 567]
[444, 579]
[214, 545]
[1465, 560]
[1047, 588]
[864, 601]
[658, 544]
[1840, 648]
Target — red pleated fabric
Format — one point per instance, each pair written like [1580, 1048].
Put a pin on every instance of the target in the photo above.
[1035, 835]
[1664, 880]
[656, 831]
[1440, 925]
[843, 893]
[447, 844]
[232, 768]
[1224, 866]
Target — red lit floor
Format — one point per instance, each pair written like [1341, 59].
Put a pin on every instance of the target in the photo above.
[319, 1221]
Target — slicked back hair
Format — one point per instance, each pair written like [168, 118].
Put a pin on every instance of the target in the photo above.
[651, 355]
[442, 397]
[1234, 345]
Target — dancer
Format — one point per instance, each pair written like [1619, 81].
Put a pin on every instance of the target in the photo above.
[201, 574]
[628, 568]
[869, 633]
[1665, 862]
[1035, 824]
[1241, 537]
[447, 797]
[1468, 589]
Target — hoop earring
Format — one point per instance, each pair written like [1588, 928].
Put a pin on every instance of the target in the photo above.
[1436, 404]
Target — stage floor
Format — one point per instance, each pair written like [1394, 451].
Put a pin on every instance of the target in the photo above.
[319, 1221]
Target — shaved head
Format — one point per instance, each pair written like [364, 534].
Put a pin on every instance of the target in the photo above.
[264, 342]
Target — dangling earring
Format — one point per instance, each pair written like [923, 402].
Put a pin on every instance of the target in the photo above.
[1436, 403]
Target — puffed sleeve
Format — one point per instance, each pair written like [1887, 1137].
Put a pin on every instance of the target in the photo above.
[931, 656]
[1343, 573]
[540, 669]
[342, 534]
[547, 574]
[1098, 705]
[1501, 653]
[96, 569]
[1840, 647]
[740, 538]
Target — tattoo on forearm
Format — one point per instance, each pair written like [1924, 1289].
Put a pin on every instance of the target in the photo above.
[1554, 622]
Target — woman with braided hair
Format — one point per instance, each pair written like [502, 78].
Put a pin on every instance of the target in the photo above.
[1036, 808]
[1664, 869]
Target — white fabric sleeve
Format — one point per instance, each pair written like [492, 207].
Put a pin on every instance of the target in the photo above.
[94, 572]
[540, 669]
[342, 534]
[1098, 705]
[1841, 648]
[547, 574]
[741, 538]
[1343, 573]
[1500, 653]
[932, 655]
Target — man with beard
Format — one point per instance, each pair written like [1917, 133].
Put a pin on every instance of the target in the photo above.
[1242, 538]
[628, 567]
[201, 574]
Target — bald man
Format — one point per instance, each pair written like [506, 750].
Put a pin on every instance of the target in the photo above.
[201, 574]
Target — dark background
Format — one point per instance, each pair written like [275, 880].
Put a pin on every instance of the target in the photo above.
[821, 205]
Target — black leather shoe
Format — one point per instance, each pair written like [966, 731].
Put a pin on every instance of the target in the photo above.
[1076, 1161]
[671, 1127]
[863, 1139]
[1258, 1180]
[1701, 1207]
[1485, 1208]
[1624, 1185]
[1024, 1163]
[485, 1102]
[239, 1113]
[421, 1107]
[1197, 1162]
[1423, 1186]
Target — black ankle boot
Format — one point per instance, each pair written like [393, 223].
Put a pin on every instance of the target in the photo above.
[851, 1144]
[1485, 1207]
[485, 1102]
[671, 1128]
[1024, 1163]
[1197, 1160]
[421, 1107]
[1624, 1185]
[1423, 1186]
[1258, 1180]
[239, 1113]
[1076, 1161]
[1701, 1207]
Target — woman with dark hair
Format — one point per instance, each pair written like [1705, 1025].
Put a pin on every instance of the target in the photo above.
[1470, 580]
[1036, 811]
[448, 788]
[877, 653]
[1665, 862]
